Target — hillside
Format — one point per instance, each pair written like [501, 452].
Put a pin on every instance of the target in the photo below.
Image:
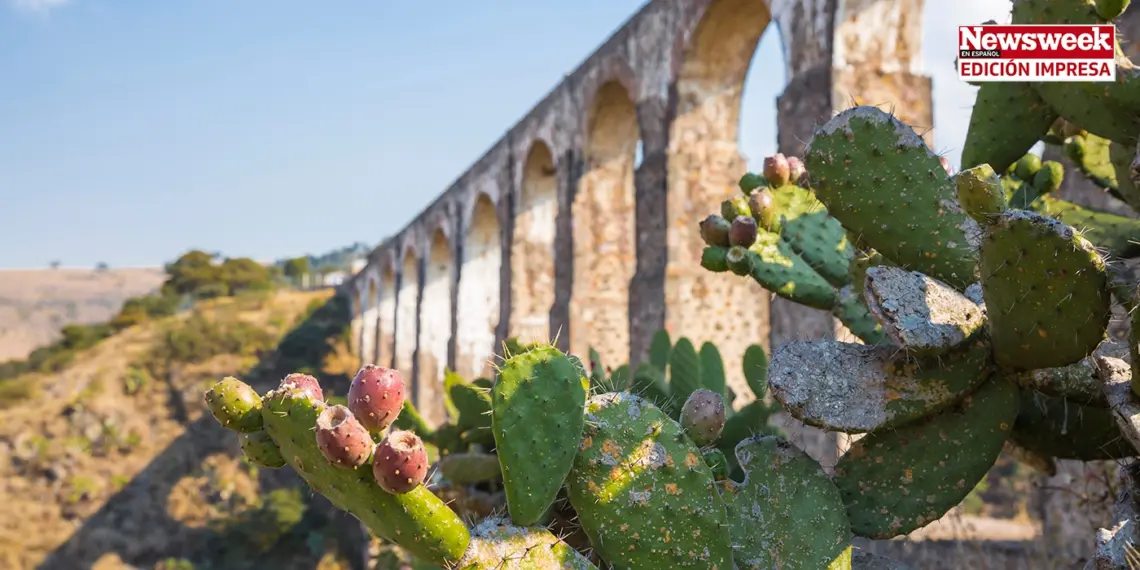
[35, 304]
[112, 463]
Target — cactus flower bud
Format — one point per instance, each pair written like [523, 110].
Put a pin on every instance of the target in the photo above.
[777, 171]
[400, 462]
[714, 231]
[376, 397]
[742, 232]
[341, 439]
[703, 416]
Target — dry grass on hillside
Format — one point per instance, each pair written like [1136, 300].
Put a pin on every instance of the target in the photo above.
[35, 304]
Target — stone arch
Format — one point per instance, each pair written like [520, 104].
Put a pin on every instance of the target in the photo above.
[357, 319]
[477, 313]
[371, 314]
[604, 230]
[704, 167]
[532, 253]
[407, 316]
[386, 316]
[435, 327]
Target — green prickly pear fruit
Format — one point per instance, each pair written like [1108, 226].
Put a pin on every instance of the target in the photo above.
[717, 462]
[787, 513]
[738, 260]
[1109, 10]
[1049, 177]
[235, 405]
[341, 438]
[703, 416]
[1026, 167]
[742, 232]
[304, 383]
[635, 474]
[777, 171]
[980, 192]
[400, 462]
[536, 419]
[714, 231]
[750, 182]
[796, 171]
[764, 210]
[376, 397]
[496, 544]
[733, 207]
[260, 450]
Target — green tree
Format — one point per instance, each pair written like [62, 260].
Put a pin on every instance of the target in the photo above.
[243, 273]
[193, 274]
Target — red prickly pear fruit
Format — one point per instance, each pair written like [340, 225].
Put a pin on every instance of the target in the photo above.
[341, 439]
[763, 209]
[796, 169]
[946, 165]
[400, 462]
[703, 416]
[743, 231]
[777, 171]
[304, 383]
[714, 230]
[376, 397]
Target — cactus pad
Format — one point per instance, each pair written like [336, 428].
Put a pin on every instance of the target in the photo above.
[856, 388]
[496, 544]
[536, 418]
[1007, 120]
[1118, 234]
[1075, 382]
[812, 233]
[878, 177]
[918, 312]
[470, 467]
[1046, 292]
[852, 311]
[260, 450]
[779, 269]
[787, 513]
[643, 492]
[896, 481]
[1056, 427]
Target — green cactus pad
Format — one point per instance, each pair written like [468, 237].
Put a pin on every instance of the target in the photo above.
[813, 233]
[472, 403]
[1091, 155]
[980, 192]
[650, 383]
[779, 269]
[1121, 158]
[496, 544]
[856, 388]
[536, 418]
[235, 405]
[1046, 292]
[411, 420]
[1065, 429]
[418, 521]
[1007, 120]
[751, 420]
[659, 347]
[787, 513]
[642, 491]
[712, 369]
[1076, 382]
[260, 450]
[897, 481]
[918, 312]
[755, 365]
[878, 177]
[684, 370]
[1118, 234]
[470, 467]
[852, 311]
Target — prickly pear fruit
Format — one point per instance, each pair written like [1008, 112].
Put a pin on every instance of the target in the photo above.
[1056, 325]
[417, 521]
[751, 181]
[739, 261]
[260, 450]
[536, 418]
[635, 473]
[304, 383]
[787, 513]
[898, 480]
[777, 171]
[733, 207]
[920, 313]
[980, 192]
[1049, 177]
[1027, 166]
[796, 170]
[763, 208]
[496, 544]
[742, 232]
[400, 462]
[376, 397]
[235, 405]
[702, 416]
[714, 230]
[341, 438]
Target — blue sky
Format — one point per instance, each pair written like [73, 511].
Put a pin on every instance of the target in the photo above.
[134, 130]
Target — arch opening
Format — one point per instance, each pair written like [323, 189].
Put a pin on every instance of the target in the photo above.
[358, 321]
[407, 299]
[371, 314]
[532, 253]
[478, 310]
[604, 232]
[435, 328]
[386, 320]
[705, 164]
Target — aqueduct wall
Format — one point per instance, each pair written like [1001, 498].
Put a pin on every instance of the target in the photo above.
[557, 232]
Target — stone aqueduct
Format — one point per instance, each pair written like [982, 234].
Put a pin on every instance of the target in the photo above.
[556, 232]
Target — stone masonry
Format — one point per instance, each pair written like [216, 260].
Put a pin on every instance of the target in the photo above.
[557, 232]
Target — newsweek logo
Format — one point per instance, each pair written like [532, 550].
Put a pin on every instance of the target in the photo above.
[1036, 53]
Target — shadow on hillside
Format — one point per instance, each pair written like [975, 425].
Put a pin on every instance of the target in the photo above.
[163, 537]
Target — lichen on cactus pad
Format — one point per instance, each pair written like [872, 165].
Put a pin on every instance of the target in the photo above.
[919, 312]
[497, 544]
[537, 404]
[855, 388]
[1046, 292]
[787, 513]
[642, 490]
[898, 480]
[881, 181]
[418, 521]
